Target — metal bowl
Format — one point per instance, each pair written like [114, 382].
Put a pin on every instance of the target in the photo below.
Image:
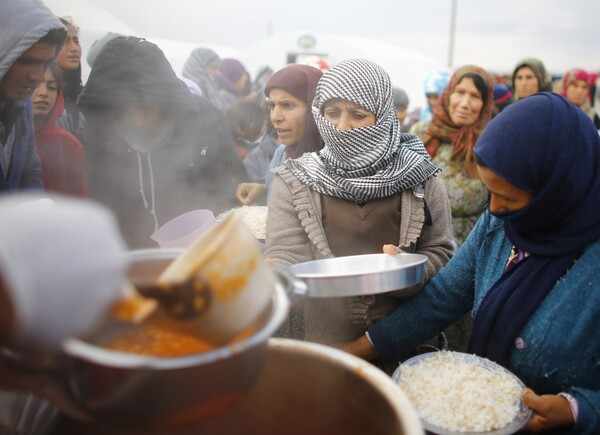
[521, 418]
[359, 275]
[93, 383]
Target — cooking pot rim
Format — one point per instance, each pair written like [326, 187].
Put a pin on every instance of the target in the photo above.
[77, 348]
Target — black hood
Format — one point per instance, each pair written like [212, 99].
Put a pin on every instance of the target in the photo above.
[130, 71]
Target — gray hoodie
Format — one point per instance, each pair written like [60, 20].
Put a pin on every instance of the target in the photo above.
[22, 24]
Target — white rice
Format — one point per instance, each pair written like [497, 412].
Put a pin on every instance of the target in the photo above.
[452, 393]
[254, 216]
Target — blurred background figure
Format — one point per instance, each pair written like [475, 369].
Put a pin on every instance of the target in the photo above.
[62, 155]
[529, 77]
[259, 158]
[576, 87]
[154, 150]
[30, 39]
[435, 82]
[596, 102]
[262, 76]
[459, 117]
[502, 98]
[233, 81]
[316, 62]
[69, 61]
[98, 45]
[401, 102]
[202, 66]
[246, 120]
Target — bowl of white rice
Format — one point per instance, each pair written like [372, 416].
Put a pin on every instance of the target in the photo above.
[457, 393]
[254, 216]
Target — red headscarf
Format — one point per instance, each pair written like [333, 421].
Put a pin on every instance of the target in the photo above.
[574, 75]
[442, 129]
[300, 81]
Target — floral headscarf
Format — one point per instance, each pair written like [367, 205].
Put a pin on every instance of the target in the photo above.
[442, 129]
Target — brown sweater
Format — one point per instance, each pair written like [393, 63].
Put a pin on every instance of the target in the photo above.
[295, 234]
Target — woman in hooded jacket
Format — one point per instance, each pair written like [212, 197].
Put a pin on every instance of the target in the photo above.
[62, 155]
[154, 150]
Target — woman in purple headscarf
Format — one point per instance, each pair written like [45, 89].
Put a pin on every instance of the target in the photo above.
[290, 92]
[529, 270]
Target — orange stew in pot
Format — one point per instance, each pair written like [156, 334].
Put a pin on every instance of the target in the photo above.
[153, 340]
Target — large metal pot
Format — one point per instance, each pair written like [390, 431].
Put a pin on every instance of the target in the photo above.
[305, 388]
[93, 383]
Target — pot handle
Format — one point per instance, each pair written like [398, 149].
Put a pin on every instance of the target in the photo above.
[295, 288]
[39, 376]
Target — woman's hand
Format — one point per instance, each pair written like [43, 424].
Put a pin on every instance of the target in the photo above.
[391, 250]
[248, 193]
[361, 348]
[549, 411]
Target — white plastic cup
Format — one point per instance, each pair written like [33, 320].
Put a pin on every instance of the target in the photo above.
[228, 261]
[182, 230]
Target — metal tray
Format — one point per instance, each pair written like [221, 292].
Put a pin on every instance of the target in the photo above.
[359, 275]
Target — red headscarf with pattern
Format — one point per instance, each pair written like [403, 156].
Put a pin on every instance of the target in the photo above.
[441, 128]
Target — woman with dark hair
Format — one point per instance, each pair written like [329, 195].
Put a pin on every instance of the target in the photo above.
[459, 116]
[69, 61]
[290, 92]
[529, 271]
[62, 155]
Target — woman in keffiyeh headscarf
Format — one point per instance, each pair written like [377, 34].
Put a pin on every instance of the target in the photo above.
[459, 116]
[529, 270]
[370, 185]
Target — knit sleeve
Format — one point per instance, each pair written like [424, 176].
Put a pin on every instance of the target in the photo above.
[588, 402]
[436, 239]
[286, 239]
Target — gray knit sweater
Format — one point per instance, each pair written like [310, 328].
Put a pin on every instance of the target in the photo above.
[295, 234]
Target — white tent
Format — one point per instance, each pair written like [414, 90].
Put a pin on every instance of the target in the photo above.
[95, 22]
[406, 68]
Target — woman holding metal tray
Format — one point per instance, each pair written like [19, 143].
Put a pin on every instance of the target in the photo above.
[370, 185]
[530, 269]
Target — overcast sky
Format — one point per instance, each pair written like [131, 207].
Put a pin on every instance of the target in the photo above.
[491, 34]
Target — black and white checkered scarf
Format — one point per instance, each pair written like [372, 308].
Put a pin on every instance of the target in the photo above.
[364, 163]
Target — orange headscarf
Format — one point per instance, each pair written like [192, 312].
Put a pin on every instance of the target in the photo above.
[441, 128]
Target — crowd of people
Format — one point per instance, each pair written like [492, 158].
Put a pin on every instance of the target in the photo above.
[495, 181]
